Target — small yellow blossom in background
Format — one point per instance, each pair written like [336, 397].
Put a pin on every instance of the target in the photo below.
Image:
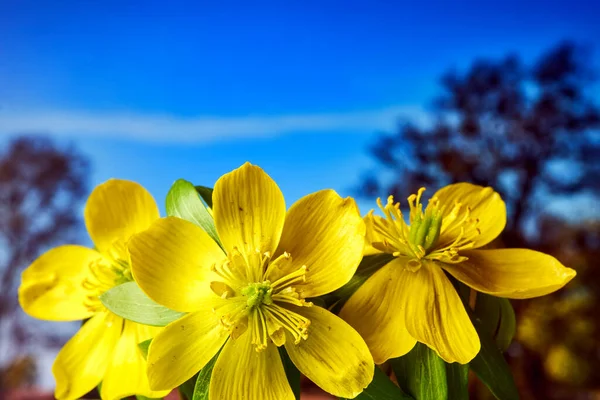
[249, 297]
[411, 299]
[64, 283]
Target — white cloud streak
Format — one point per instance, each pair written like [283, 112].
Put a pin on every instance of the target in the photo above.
[203, 129]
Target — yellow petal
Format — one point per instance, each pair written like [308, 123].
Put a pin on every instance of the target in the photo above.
[171, 262]
[435, 315]
[126, 374]
[326, 234]
[371, 234]
[485, 205]
[512, 273]
[82, 362]
[243, 373]
[249, 210]
[183, 348]
[116, 210]
[374, 310]
[334, 356]
[52, 286]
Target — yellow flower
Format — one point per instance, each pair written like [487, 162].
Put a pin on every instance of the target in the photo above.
[249, 297]
[64, 284]
[411, 299]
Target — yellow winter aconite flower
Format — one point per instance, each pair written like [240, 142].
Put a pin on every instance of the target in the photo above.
[64, 284]
[411, 299]
[249, 297]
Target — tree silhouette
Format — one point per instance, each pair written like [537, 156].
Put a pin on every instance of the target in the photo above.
[527, 131]
[42, 187]
[531, 132]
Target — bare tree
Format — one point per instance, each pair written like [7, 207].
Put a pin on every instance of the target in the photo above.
[42, 186]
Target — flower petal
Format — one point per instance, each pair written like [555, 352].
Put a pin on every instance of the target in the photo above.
[326, 234]
[183, 348]
[334, 356]
[375, 311]
[485, 205]
[171, 262]
[52, 286]
[82, 362]
[116, 210]
[249, 210]
[126, 375]
[371, 234]
[512, 273]
[435, 315]
[243, 373]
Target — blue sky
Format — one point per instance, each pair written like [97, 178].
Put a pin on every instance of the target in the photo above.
[153, 91]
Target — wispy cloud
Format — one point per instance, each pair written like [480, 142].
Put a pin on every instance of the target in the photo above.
[203, 129]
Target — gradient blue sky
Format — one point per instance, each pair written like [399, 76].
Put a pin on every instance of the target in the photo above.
[154, 91]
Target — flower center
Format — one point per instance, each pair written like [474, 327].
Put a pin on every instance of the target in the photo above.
[106, 272]
[421, 239]
[258, 294]
[424, 226]
[262, 298]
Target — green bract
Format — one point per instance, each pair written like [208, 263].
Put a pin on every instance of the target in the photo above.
[129, 302]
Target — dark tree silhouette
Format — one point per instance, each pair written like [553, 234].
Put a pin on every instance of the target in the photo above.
[531, 132]
[528, 131]
[42, 187]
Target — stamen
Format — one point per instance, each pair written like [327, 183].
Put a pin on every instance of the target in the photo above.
[278, 266]
[258, 302]
[394, 231]
[294, 323]
[231, 278]
[295, 277]
[259, 331]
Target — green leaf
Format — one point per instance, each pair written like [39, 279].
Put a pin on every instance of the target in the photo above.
[368, 266]
[491, 367]
[183, 202]
[457, 376]
[143, 346]
[497, 317]
[382, 388]
[206, 194]
[421, 373]
[129, 302]
[507, 326]
[186, 389]
[202, 386]
[140, 397]
[291, 372]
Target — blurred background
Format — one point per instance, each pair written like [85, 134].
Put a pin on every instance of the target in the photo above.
[368, 99]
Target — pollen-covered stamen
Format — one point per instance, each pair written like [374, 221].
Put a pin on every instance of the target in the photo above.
[294, 323]
[104, 275]
[459, 227]
[291, 296]
[229, 273]
[416, 208]
[293, 278]
[394, 232]
[242, 267]
[278, 267]
[234, 317]
[258, 290]
[260, 333]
